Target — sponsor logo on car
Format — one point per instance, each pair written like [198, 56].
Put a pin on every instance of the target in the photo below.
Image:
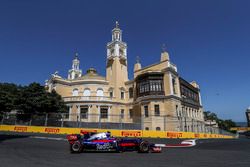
[105, 146]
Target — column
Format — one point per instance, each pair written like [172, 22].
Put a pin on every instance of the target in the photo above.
[78, 113]
[170, 84]
[89, 114]
[70, 112]
[99, 115]
[109, 107]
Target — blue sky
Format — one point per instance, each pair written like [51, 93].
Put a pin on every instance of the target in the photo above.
[208, 40]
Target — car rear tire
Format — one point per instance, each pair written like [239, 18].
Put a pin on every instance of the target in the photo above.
[76, 147]
[143, 147]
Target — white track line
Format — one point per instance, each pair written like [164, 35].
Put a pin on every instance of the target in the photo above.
[185, 143]
[48, 138]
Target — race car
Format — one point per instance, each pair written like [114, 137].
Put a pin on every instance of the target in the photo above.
[103, 142]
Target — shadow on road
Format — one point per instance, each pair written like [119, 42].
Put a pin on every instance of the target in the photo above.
[4, 137]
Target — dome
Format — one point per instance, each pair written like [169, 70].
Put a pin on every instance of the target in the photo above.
[91, 71]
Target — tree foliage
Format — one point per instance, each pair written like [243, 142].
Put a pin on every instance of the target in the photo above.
[29, 99]
[223, 124]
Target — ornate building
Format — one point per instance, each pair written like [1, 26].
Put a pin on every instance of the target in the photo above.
[248, 116]
[157, 97]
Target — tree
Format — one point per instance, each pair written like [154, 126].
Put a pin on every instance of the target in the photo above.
[31, 99]
[208, 115]
[8, 97]
[35, 99]
[223, 124]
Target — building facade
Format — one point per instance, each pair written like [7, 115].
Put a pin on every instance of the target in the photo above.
[248, 116]
[157, 97]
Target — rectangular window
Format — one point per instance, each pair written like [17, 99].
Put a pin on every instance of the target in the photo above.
[66, 115]
[84, 112]
[174, 83]
[130, 113]
[104, 113]
[131, 93]
[122, 113]
[122, 95]
[157, 110]
[147, 87]
[110, 94]
[146, 111]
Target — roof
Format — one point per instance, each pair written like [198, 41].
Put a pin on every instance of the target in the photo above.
[91, 74]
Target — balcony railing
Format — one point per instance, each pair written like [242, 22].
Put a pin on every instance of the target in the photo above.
[87, 98]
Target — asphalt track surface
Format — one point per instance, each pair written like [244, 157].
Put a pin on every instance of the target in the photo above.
[19, 150]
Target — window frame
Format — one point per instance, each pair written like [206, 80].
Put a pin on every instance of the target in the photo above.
[104, 115]
[122, 113]
[86, 112]
[122, 95]
[146, 114]
[157, 111]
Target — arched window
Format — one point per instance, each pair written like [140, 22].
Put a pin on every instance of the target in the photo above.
[75, 92]
[158, 128]
[99, 92]
[86, 92]
[111, 94]
[146, 128]
[122, 93]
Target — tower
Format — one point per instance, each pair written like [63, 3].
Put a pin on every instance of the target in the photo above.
[116, 68]
[75, 72]
[117, 48]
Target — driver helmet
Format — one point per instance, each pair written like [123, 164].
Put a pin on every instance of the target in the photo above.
[108, 134]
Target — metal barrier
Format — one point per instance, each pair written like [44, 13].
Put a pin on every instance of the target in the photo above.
[119, 121]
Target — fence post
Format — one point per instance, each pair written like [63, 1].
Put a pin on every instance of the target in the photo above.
[180, 122]
[62, 119]
[15, 121]
[46, 120]
[2, 120]
[142, 122]
[165, 123]
[80, 120]
[120, 118]
[99, 123]
[192, 124]
[30, 120]
[185, 126]
[198, 127]
[77, 120]
[210, 127]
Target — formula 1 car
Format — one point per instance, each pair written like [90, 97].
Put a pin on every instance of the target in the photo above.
[103, 142]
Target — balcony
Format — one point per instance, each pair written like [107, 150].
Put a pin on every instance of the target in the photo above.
[87, 98]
